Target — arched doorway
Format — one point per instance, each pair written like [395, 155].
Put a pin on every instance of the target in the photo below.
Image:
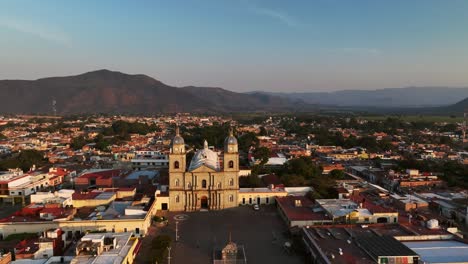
[382, 220]
[204, 202]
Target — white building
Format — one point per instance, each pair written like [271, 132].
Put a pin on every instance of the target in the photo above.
[144, 160]
[63, 197]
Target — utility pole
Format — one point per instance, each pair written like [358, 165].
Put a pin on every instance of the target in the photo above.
[177, 231]
[169, 255]
[464, 126]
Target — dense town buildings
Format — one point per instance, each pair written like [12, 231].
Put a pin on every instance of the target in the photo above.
[92, 178]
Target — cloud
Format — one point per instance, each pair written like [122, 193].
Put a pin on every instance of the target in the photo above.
[45, 33]
[277, 15]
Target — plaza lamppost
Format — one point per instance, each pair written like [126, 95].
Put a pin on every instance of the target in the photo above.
[177, 231]
[169, 255]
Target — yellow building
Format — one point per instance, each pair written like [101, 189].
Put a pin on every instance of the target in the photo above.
[138, 225]
[250, 196]
[92, 199]
[117, 248]
[211, 181]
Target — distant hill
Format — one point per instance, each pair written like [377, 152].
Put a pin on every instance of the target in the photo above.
[456, 109]
[383, 98]
[105, 91]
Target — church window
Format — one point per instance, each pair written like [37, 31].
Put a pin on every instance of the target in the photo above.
[219, 185]
[231, 182]
[176, 165]
[177, 199]
[231, 198]
[189, 185]
[177, 182]
[203, 183]
[231, 164]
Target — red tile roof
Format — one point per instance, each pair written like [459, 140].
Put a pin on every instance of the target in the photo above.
[101, 174]
[304, 212]
[85, 196]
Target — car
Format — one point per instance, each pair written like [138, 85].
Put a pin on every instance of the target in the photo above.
[256, 207]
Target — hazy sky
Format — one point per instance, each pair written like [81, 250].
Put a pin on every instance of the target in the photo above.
[272, 45]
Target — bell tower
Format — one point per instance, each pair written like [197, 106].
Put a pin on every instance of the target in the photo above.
[177, 156]
[231, 152]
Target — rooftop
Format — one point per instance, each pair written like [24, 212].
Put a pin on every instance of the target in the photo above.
[303, 212]
[262, 190]
[136, 174]
[204, 157]
[100, 173]
[117, 254]
[338, 207]
[331, 240]
[378, 246]
[408, 198]
[445, 251]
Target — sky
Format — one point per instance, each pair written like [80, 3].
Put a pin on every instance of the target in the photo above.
[242, 45]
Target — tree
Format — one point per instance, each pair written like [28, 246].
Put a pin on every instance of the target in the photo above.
[159, 247]
[102, 143]
[24, 160]
[78, 142]
[303, 166]
[215, 135]
[248, 140]
[2, 136]
[250, 181]
[122, 129]
[262, 154]
[337, 174]
[263, 131]
[445, 140]
[294, 180]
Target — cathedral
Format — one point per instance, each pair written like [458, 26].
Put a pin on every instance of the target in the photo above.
[211, 180]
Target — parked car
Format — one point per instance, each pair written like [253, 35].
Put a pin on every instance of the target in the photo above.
[256, 207]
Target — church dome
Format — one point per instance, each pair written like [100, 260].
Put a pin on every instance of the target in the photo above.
[230, 140]
[178, 139]
[205, 157]
[230, 143]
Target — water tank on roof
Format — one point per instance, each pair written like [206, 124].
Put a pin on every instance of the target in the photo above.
[432, 224]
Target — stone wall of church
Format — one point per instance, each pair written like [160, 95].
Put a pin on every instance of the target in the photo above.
[190, 191]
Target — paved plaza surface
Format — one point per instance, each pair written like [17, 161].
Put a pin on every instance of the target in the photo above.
[262, 233]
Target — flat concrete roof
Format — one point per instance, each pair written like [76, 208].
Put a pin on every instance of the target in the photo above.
[442, 251]
[136, 174]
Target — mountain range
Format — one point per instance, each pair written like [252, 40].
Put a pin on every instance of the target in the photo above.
[105, 91]
[388, 97]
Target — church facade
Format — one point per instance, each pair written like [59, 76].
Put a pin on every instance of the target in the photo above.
[211, 180]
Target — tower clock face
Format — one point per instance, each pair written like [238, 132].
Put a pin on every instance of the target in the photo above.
[230, 148]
